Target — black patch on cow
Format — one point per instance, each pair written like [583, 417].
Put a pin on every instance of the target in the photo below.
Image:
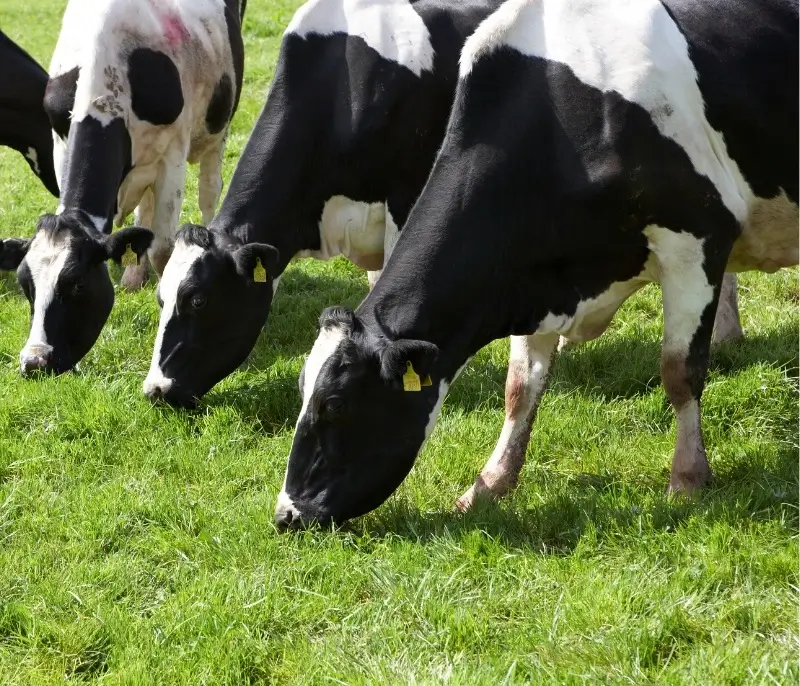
[735, 47]
[24, 124]
[98, 159]
[156, 94]
[220, 106]
[59, 100]
[234, 14]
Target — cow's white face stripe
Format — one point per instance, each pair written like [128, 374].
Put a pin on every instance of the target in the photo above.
[183, 257]
[391, 27]
[46, 259]
[631, 47]
[326, 345]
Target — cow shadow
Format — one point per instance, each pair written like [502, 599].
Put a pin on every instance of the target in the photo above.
[607, 505]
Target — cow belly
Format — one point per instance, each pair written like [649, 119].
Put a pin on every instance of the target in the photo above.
[593, 315]
[769, 238]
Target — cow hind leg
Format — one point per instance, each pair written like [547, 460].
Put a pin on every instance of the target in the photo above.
[528, 371]
[691, 278]
[727, 324]
[133, 278]
[210, 181]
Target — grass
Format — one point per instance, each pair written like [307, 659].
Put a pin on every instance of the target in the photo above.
[137, 545]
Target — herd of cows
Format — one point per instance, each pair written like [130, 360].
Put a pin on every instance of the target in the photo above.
[514, 168]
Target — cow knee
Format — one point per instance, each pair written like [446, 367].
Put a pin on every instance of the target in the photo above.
[159, 254]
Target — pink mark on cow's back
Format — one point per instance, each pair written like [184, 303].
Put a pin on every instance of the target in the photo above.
[175, 31]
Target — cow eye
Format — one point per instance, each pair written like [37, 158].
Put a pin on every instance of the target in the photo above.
[333, 406]
[77, 287]
[198, 302]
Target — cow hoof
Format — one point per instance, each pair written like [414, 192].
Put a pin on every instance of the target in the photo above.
[134, 277]
[479, 491]
[689, 484]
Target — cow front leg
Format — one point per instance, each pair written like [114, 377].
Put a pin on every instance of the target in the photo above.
[691, 278]
[209, 181]
[727, 324]
[133, 278]
[528, 371]
[168, 192]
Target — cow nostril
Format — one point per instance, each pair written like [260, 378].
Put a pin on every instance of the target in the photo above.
[34, 363]
[284, 519]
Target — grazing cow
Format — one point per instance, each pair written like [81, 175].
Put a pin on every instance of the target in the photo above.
[24, 125]
[347, 137]
[137, 89]
[594, 146]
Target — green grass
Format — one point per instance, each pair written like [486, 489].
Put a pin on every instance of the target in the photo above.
[137, 545]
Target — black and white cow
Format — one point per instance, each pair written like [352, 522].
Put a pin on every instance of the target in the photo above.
[594, 146]
[347, 137]
[137, 90]
[24, 125]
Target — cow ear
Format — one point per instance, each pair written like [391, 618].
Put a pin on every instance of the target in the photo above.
[12, 252]
[403, 356]
[256, 262]
[122, 245]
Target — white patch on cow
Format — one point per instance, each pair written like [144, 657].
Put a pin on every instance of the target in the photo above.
[390, 27]
[46, 259]
[326, 345]
[631, 47]
[33, 156]
[353, 229]
[684, 284]
[183, 257]
[444, 387]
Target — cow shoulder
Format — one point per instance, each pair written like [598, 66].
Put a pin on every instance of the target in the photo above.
[59, 100]
[156, 93]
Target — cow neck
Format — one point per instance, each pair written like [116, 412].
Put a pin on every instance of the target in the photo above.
[262, 204]
[435, 305]
[98, 158]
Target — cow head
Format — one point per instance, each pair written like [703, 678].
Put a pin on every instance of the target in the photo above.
[215, 295]
[359, 429]
[62, 271]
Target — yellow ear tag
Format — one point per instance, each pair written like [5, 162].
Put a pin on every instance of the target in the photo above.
[426, 381]
[411, 379]
[259, 273]
[129, 258]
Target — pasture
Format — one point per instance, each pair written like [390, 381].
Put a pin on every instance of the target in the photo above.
[137, 542]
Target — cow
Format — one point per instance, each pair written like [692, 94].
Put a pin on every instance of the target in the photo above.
[347, 136]
[136, 90]
[594, 146]
[342, 148]
[24, 125]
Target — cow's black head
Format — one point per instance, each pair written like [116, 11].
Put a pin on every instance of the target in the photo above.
[215, 295]
[62, 271]
[360, 429]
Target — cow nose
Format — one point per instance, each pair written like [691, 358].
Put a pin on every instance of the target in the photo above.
[286, 513]
[34, 360]
[156, 389]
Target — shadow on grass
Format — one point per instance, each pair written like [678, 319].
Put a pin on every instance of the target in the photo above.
[591, 503]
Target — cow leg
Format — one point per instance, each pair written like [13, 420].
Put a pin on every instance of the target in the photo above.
[168, 191]
[390, 237]
[727, 325]
[528, 371]
[133, 278]
[209, 181]
[691, 278]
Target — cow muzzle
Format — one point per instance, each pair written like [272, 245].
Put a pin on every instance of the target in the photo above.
[34, 358]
